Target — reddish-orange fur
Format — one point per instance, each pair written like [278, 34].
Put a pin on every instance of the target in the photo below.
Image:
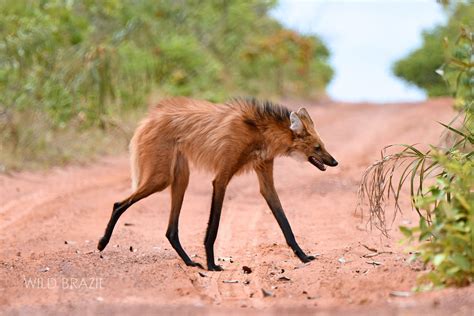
[211, 136]
[225, 139]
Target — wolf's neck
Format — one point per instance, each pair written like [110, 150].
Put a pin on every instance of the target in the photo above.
[277, 139]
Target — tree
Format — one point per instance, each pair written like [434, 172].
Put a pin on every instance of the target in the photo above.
[420, 67]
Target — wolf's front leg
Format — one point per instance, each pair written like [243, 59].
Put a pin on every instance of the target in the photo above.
[219, 184]
[267, 188]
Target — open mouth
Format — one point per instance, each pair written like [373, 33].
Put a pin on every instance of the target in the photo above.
[316, 162]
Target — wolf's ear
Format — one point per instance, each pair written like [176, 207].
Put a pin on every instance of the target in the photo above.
[304, 114]
[296, 124]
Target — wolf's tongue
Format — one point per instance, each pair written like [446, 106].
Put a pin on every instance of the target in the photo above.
[317, 163]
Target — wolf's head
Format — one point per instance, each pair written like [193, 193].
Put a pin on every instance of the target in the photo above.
[307, 142]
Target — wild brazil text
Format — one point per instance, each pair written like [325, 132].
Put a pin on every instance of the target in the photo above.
[63, 283]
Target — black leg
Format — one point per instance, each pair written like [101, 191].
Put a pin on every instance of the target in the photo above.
[118, 210]
[121, 207]
[211, 234]
[267, 188]
[178, 188]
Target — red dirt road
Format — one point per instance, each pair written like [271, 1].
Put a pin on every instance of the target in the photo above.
[40, 273]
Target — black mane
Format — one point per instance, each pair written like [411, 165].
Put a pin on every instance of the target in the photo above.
[264, 109]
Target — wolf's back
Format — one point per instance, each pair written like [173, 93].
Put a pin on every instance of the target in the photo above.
[209, 135]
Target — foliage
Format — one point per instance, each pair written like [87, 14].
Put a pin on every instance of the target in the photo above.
[446, 208]
[291, 57]
[447, 237]
[421, 66]
[84, 64]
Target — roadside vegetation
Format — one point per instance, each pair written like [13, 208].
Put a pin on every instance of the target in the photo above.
[75, 75]
[421, 67]
[441, 179]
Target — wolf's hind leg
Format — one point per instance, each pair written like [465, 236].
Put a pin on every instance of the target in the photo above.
[155, 177]
[178, 187]
[121, 207]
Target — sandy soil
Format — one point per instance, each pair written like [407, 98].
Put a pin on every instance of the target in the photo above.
[50, 223]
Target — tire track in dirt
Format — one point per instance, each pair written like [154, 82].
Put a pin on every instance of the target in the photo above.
[14, 211]
[215, 286]
[228, 291]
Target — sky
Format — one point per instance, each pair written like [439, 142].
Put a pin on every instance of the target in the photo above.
[365, 38]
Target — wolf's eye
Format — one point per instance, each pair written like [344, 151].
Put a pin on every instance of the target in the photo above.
[317, 147]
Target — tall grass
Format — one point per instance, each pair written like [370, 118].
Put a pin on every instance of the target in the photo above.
[440, 180]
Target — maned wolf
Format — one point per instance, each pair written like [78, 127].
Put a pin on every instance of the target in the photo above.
[226, 139]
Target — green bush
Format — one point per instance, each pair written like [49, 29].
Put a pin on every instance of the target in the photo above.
[445, 235]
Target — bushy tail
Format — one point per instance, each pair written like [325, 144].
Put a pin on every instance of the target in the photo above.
[134, 156]
[134, 167]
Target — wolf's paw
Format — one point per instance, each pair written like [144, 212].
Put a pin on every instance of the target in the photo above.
[194, 264]
[102, 243]
[214, 267]
[306, 259]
